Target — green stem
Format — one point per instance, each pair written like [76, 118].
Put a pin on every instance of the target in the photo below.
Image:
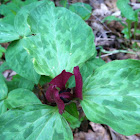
[135, 29]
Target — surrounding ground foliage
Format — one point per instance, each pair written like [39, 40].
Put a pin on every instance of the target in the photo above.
[116, 40]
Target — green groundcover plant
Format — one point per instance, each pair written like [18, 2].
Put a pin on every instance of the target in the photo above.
[131, 17]
[53, 45]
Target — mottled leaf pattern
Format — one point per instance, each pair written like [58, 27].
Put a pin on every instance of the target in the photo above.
[21, 25]
[3, 107]
[20, 60]
[7, 33]
[19, 82]
[60, 40]
[34, 122]
[21, 97]
[3, 88]
[111, 96]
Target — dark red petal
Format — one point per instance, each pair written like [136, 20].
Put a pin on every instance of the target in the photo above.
[78, 82]
[61, 80]
[58, 101]
[49, 95]
[66, 95]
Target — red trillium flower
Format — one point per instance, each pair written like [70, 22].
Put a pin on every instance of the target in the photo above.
[59, 94]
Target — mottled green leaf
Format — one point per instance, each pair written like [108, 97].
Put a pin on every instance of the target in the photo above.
[111, 96]
[3, 107]
[127, 10]
[86, 69]
[90, 66]
[20, 60]
[82, 9]
[21, 97]
[3, 88]
[36, 122]
[10, 9]
[60, 40]
[7, 33]
[21, 25]
[19, 82]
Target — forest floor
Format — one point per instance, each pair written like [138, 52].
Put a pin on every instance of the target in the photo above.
[109, 41]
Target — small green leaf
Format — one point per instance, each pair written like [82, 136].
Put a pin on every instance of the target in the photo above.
[7, 33]
[111, 18]
[44, 79]
[127, 10]
[3, 88]
[20, 60]
[60, 40]
[111, 96]
[64, 3]
[82, 9]
[2, 50]
[74, 122]
[72, 115]
[4, 67]
[34, 122]
[19, 82]
[138, 31]
[21, 97]
[125, 31]
[72, 109]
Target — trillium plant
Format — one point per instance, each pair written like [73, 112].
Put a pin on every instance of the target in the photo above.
[63, 95]
[58, 76]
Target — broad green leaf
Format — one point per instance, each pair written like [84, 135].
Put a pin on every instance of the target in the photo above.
[111, 96]
[86, 69]
[7, 33]
[19, 82]
[10, 9]
[3, 107]
[60, 40]
[90, 66]
[127, 10]
[82, 9]
[21, 97]
[3, 88]
[20, 60]
[34, 122]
